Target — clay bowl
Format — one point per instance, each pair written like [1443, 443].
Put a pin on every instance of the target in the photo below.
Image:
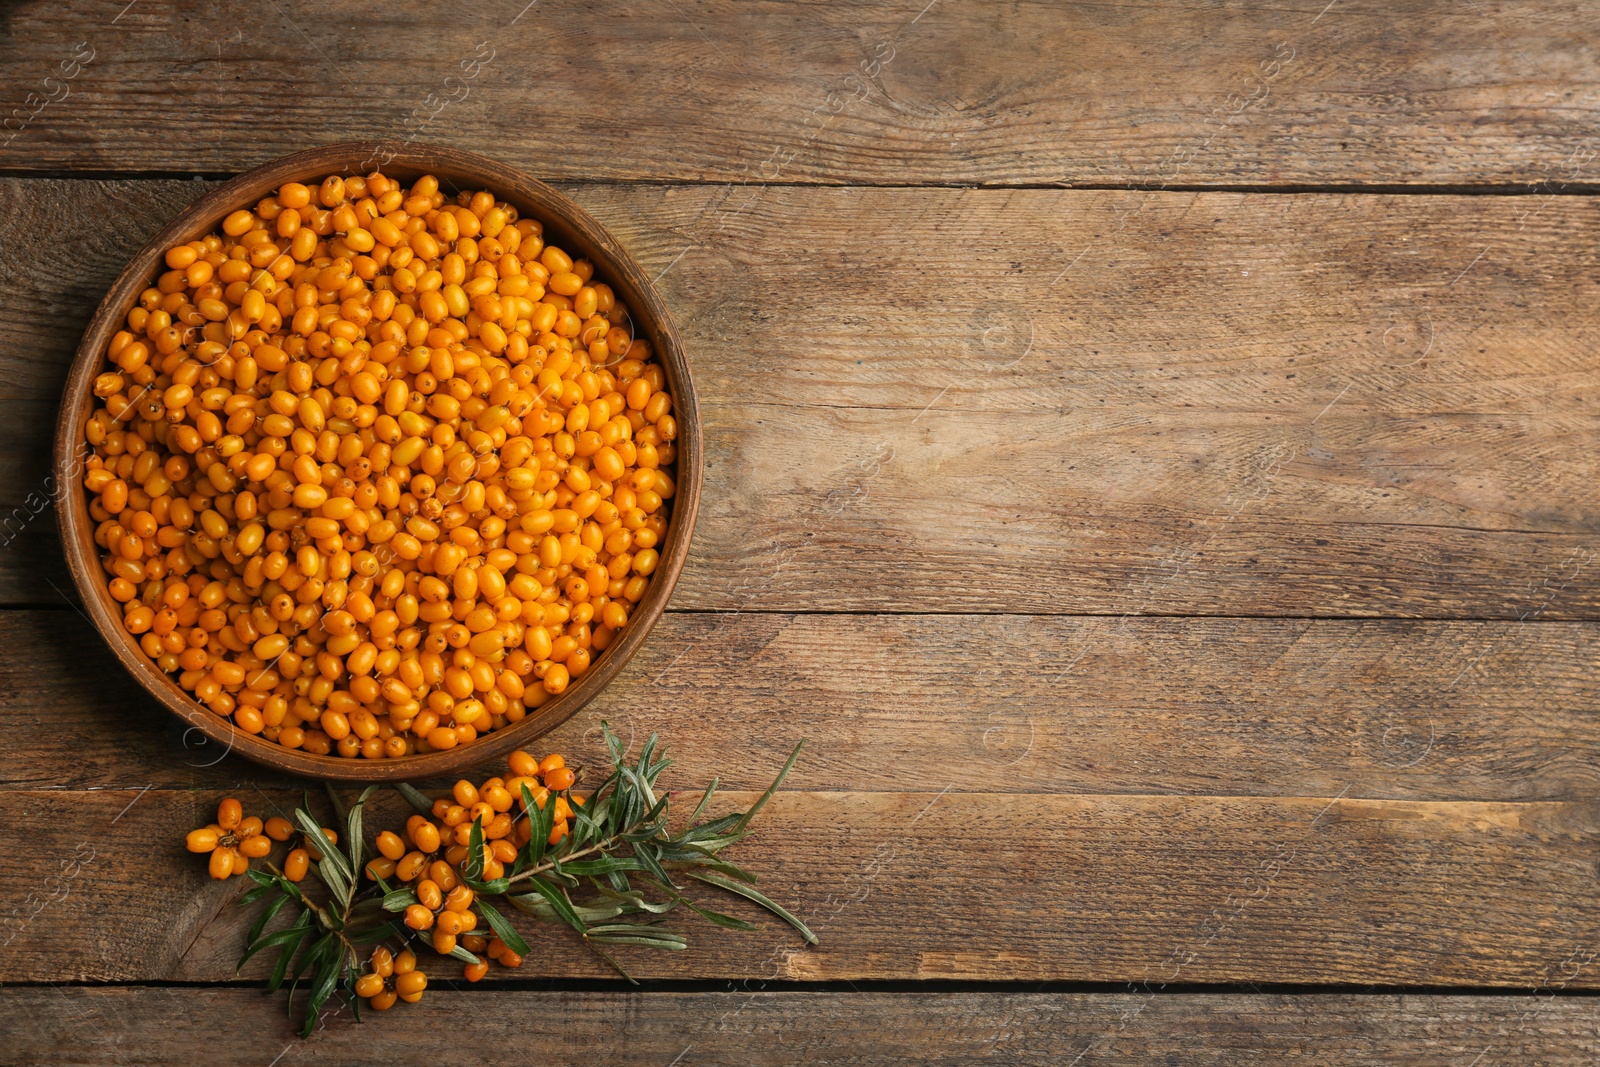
[565, 224]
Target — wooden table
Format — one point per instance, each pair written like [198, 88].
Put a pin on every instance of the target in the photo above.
[1151, 456]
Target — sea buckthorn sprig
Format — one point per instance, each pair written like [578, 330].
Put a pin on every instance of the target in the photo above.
[605, 865]
[375, 471]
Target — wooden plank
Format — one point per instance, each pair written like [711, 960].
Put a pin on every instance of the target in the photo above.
[84, 1027]
[726, 91]
[1201, 416]
[942, 885]
[1015, 704]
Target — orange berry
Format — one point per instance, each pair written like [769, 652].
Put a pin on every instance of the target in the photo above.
[418, 917]
[390, 845]
[229, 814]
[295, 864]
[279, 829]
[221, 862]
[203, 840]
[560, 778]
[475, 971]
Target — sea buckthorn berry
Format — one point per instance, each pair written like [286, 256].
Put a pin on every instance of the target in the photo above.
[349, 383]
[229, 814]
[295, 864]
[426, 837]
[279, 829]
[202, 840]
[221, 862]
[409, 986]
[390, 845]
[560, 778]
[417, 916]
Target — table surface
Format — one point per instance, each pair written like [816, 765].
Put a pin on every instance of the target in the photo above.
[1150, 457]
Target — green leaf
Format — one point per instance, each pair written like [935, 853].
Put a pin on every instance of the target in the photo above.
[333, 798]
[744, 820]
[464, 956]
[353, 830]
[400, 899]
[415, 798]
[333, 876]
[303, 926]
[256, 894]
[534, 849]
[603, 865]
[474, 867]
[717, 918]
[324, 980]
[277, 937]
[259, 877]
[750, 893]
[266, 914]
[645, 853]
[503, 929]
[330, 854]
[487, 889]
[705, 798]
[372, 936]
[557, 899]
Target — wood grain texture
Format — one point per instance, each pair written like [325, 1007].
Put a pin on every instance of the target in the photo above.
[942, 885]
[1229, 404]
[170, 1027]
[861, 92]
[1016, 704]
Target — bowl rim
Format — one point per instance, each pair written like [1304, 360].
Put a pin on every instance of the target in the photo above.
[575, 229]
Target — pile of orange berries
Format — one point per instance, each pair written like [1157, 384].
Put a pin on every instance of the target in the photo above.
[235, 839]
[374, 471]
[392, 977]
[430, 855]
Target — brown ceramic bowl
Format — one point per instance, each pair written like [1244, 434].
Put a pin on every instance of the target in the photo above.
[565, 224]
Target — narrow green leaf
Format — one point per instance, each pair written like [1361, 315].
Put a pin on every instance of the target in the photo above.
[533, 851]
[354, 832]
[705, 799]
[372, 936]
[750, 893]
[333, 798]
[647, 942]
[744, 820]
[259, 877]
[256, 894]
[474, 867]
[266, 915]
[322, 986]
[463, 955]
[330, 854]
[400, 899]
[603, 865]
[557, 898]
[286, 953]
[415, 798]
[503, 929]
[278, 937]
